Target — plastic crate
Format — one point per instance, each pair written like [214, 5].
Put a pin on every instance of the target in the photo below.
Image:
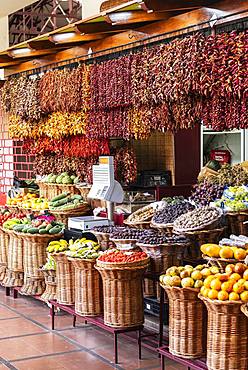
[152, 307]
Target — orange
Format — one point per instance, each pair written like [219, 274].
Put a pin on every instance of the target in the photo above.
[213, 294]
[213, 250]
[208, 280]
[238, 288]
[206, 272]
[235, 276]
[222, 277]
[227, 286]
[240, 254]
[202, 290]
[223, 296]
[244, 296]
[226, 252]
[245, 274]
[246, 285]
[215, 284]
[233, 296]
[205, 292]
[230, 269]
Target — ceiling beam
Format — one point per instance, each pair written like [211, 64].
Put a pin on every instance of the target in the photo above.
[170, 5]
[16, 54]
[99, 27]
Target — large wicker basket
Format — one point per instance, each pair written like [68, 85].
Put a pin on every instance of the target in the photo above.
[236, 222]
[51, 285]
[15, 270]
[227, 336]
[88, 288]
[161, 258]
[65, 274]
[221, 263]
[244, 309]
[50, 191]
[34, 256]
[123, 293]
[187, 323]
[4, 244]
[202, 237]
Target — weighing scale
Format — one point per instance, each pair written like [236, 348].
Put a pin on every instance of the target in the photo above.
[104, 187]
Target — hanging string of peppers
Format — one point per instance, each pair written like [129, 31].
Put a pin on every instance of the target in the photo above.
[163, 87]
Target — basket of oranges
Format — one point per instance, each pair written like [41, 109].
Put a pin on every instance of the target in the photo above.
[221, 256]
[227, 333]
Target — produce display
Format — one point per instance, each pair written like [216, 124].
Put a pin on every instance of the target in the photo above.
[197, 219]
[232, 285]
[224, 251]
[231, 176]
[205, 192]
[154, 238]
[56, 246]
[50, 264]
[42, 226]
[104, 229]
[234, 198]
[83, 248]
[126, 233]
[5, 214]
[169, 214]
[65, 202]
[235, 241]
[64, 178]
[143, 214]
[187, 276]
[116, 256]
[20, 198]
[15, 221]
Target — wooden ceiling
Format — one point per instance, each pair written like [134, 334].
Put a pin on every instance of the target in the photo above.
[119, 23]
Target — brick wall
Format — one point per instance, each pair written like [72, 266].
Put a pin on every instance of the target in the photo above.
[23, 163]
[6, 155]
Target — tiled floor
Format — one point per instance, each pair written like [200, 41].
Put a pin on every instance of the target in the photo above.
[28, 343]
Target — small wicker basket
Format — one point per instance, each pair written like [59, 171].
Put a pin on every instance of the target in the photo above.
[50, 191]
[88, 288]
[4, 244]
[51, 285]
[34, 256]
[227, 335]
[221, 263]
[244, 309]
[187, 322]
[63, 216]
[123, 293]
[65, 274]
[236, 222]
[14, 274]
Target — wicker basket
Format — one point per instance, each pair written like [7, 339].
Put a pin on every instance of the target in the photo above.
[221, 263]
[84, 191]
[202, 237]
[63, 216]
[244, 309]
[50, 191]
[236, 222]
[34, 256]
[187, 323]
[122, 293]
[88, 288]
[4, 244]
[163, 228]
[51, 285]
[15, 269]
[138, 225]
[227, 336]
[65, 274]
[104, 240]
[161, 258]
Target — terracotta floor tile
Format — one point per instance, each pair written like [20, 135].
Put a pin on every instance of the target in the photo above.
[17, 348]
[71, 361]
[61, 322]
[49, 343]
[5, 313]
[3, 367]
[19, 326]
[89, 337]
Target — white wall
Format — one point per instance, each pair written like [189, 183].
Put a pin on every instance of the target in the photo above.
[4, 33]
[90, 7]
